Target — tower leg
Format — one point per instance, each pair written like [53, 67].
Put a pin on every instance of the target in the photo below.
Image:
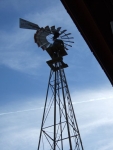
[59, 129]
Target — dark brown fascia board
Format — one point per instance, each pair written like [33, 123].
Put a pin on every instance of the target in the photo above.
[91, 34]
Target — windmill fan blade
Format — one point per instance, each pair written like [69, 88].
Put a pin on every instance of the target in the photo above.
[53, 29]
[63, 31]
[66, 34]
[66, 48]
[58, 29]
[45, 45]
[67, 44]
[69, 41]
[28, 25]
[47, 29]
[67, 37]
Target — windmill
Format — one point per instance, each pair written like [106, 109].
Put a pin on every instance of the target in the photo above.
[59, 129]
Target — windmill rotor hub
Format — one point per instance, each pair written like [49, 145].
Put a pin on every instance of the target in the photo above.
[56, 35]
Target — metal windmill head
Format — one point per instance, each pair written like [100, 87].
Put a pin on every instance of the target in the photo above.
[41, 34]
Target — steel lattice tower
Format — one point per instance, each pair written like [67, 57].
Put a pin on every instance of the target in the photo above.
[59, 129]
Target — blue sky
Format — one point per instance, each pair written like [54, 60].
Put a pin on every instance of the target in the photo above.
[24, 77]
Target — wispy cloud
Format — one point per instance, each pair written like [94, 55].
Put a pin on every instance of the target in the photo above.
[94, 117]
[74, 103]
[20, 138]
[16, 53]
[100, 95]
[106, 145]
[92, 100]
[20, 111]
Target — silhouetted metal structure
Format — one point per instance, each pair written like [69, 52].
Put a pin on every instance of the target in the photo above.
[59, 129]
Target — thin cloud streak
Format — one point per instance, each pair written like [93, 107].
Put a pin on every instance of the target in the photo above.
[20, 111]
[74, 103]
[92, 100]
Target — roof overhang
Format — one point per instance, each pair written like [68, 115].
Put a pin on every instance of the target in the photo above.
[93, 19]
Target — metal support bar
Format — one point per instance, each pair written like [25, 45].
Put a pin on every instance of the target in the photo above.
[73, 112]
[55, 110]
[44, 109]
[65, 111]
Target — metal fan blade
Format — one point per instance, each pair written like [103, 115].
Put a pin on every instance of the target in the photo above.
[63, 31]
[67, 38]
[28, 25]
[69, 41]
[67, 44]
[53, 29]
[45, 45]
[66, 48]
[47, 29]
[66, 34]
[58, 29]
